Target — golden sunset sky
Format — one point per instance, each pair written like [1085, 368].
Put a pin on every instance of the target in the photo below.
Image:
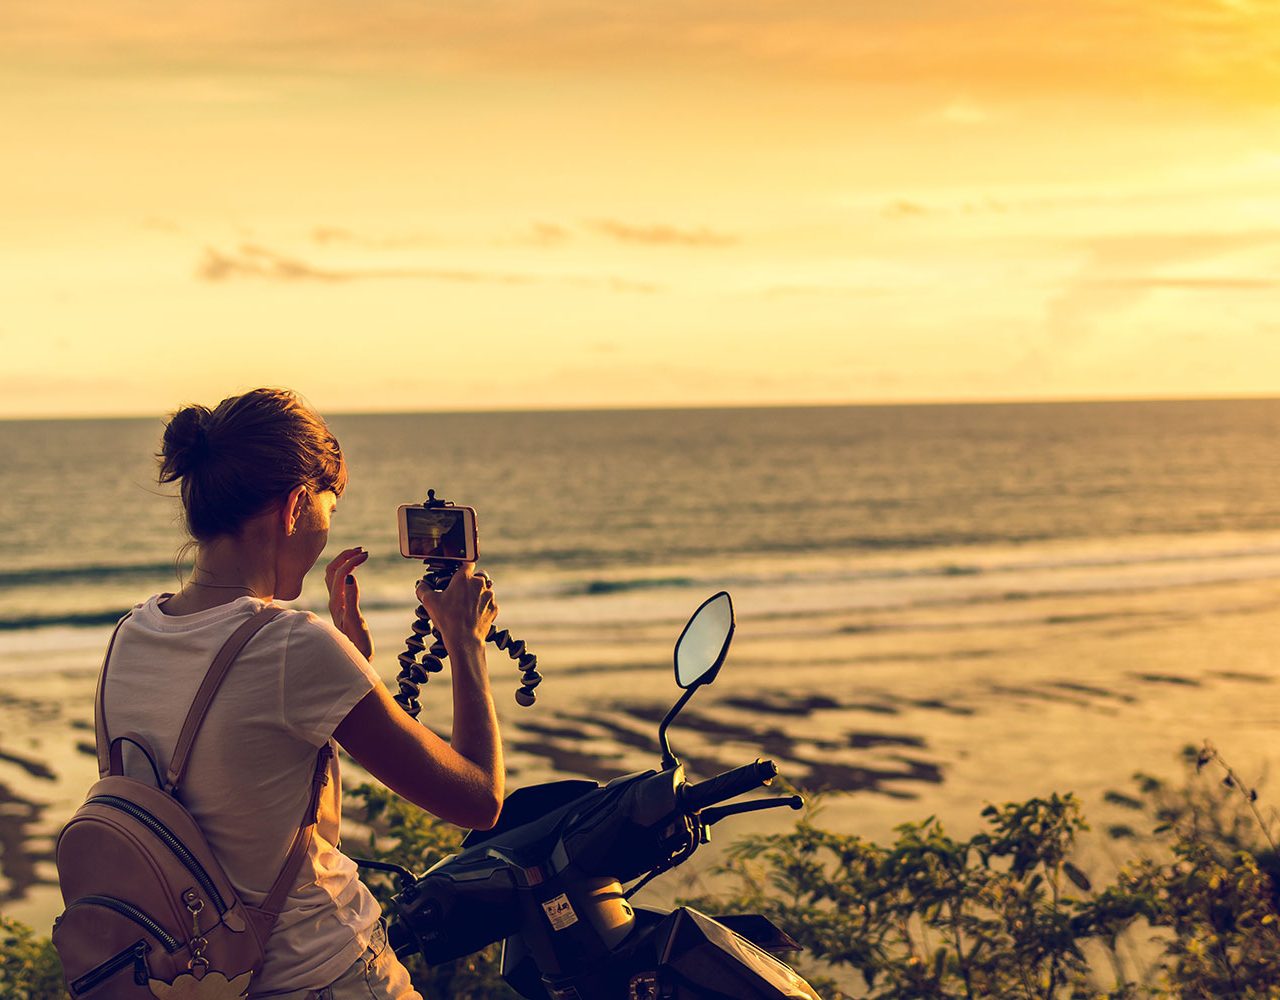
[481, 204]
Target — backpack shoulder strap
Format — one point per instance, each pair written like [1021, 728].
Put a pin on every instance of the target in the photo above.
[275, 900]
[208, 688]
[100, 706]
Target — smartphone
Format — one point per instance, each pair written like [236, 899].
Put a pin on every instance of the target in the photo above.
[447, 534]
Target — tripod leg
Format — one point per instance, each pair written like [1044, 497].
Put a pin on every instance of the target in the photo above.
[413, 674]
[526, 661]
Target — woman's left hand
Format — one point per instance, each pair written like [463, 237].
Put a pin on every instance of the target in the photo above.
[344, 599]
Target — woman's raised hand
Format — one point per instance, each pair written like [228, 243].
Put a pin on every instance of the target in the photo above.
[465, 610]
[344, 599]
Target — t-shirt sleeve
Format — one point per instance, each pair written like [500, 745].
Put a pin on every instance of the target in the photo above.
[321, 680]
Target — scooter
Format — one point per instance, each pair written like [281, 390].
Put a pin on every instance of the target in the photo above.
[547, 880]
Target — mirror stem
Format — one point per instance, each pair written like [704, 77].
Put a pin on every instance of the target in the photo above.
[669, 761]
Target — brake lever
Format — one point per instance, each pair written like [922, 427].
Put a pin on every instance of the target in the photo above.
[406, 877]
[715, 814]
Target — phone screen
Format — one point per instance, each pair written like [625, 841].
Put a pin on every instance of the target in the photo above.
[436, 533]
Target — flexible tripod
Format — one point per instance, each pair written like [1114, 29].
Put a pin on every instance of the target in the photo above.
[415, 672]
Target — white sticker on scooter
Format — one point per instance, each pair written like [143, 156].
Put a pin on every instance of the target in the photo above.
[559, 912]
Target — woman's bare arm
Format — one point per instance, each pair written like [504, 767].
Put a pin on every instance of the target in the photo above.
[462, 780]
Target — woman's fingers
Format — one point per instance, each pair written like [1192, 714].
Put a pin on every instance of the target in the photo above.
[331, 570]
[344, 594]
[351, 600]
[488, 604]
[467, 605]
[342, 564]
[347, 557]
[344, 606]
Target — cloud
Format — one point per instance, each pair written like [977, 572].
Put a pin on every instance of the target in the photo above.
[662, 235]
[905, 208]
[1065, 201]
[1120, 271]
[253, 261]
[331, 234]
[541, 234]
[548, 234]
[1162, 49]
[1189, 284]
[257, 262]
[327, 235]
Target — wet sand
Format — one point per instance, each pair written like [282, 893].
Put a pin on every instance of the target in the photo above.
[886, 724]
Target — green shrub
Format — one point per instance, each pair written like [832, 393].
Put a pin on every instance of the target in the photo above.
[1212, 890]
[1004, 913]
[928, 915]
[29, 967]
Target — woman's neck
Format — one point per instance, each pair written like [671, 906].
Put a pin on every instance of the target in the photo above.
[226, 569]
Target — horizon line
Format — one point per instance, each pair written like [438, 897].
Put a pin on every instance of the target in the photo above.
[728, 405]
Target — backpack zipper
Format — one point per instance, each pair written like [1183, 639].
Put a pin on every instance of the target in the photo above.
[139, 917]
[135, 954]
[170, 841]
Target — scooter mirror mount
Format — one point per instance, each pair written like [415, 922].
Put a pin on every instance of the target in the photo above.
[700, 652]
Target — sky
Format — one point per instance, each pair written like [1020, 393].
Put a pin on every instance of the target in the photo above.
[497, 204]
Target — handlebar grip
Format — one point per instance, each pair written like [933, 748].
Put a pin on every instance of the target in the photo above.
[728, 785]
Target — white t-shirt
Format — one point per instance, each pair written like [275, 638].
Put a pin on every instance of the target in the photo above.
[248, 779]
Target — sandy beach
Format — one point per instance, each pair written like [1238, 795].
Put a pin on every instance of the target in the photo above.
[891, 714]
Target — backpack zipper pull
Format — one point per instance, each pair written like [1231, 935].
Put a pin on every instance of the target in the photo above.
[141, 974]
[194, 905]
[197, 944]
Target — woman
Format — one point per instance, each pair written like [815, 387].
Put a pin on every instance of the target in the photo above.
[260, 476]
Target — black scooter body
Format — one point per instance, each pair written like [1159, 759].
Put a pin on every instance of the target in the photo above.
[547, 880]
[681, 955]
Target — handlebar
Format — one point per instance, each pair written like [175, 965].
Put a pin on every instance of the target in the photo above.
[728, 785]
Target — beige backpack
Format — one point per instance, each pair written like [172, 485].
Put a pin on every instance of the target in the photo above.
[149, 910]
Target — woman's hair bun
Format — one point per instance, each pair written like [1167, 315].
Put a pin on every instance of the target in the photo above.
[247, 453]
[186, 443]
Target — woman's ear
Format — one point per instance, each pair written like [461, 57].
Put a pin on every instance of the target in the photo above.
[293, 507]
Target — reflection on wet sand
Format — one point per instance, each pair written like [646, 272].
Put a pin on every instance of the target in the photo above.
[825, 757]
[19, 819]
[882, 737]
[573, 745]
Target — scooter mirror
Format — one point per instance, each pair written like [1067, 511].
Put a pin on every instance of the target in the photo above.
[702, 645]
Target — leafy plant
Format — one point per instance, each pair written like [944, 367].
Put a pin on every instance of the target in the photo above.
[1004, 913]
[928, 915]
[1213, 889]
[1007, 913]
[29, 967]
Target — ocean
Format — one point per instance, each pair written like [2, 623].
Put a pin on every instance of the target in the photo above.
[937, 606]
